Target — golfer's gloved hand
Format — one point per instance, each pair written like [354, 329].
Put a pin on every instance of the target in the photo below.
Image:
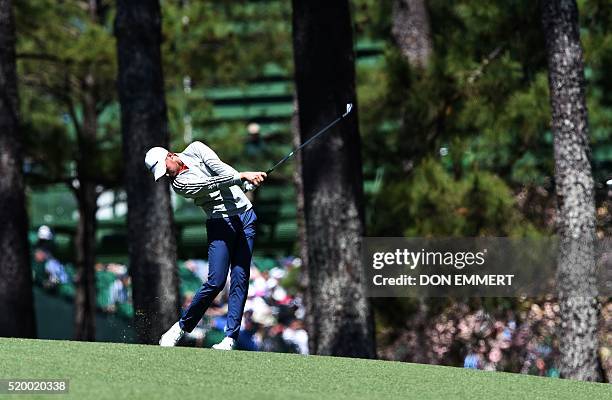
[248, 186]
[251, 180]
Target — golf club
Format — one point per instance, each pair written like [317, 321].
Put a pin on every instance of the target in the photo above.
[349, 106]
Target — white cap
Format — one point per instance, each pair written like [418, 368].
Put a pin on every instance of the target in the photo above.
[45, 233]
[155, 160]
[609, 182]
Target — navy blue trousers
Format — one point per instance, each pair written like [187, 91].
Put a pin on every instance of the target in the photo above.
[230, 246]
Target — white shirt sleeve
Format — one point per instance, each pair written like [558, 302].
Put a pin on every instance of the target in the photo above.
[201, 187]
[212, 160]
[226, 175]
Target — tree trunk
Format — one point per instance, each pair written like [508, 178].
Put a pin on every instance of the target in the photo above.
[85, 240]
[151, 232]
[299, 196]
[341, 320]
[410, 29]
[302, 237]
[412, 35]
[574, 187]
[16, 302]
[85, 296]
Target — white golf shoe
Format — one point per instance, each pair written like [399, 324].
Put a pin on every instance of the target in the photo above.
[226, 344]
[172, 336]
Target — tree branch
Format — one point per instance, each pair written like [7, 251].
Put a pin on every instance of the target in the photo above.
[473, 77]
[44, 57]
[70, 105]
[477, 73]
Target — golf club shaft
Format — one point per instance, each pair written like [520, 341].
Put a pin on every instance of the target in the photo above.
[322, 131]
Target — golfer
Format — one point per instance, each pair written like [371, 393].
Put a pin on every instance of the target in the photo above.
[199, 174]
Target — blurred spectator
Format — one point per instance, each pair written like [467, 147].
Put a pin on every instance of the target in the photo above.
[273, 341]
[199, 268]
[118, 269]
[119, 291]
[104, 283]
[472, 361]
[45, 238]
[55, 271]
[297, 335]
[51, 272]
[519, 337]
[273, 317]
[247, 339]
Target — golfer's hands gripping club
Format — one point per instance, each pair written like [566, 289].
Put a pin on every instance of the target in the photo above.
[252, 180]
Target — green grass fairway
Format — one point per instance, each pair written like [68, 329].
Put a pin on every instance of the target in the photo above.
[122, 371]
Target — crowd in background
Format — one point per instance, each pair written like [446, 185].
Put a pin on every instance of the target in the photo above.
[273, 313]
[273, 317]
[519, 339]
[492, 341]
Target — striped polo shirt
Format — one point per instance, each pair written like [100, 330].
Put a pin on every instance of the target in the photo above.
[212, 184]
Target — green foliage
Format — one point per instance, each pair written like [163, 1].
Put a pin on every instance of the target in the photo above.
[371, 18]
[596, 36]
[205, 44]
[208, 44]
[64, 53]
[482, 101]
[481, 109]
[221, 42]
[434, 203]
[47, 146]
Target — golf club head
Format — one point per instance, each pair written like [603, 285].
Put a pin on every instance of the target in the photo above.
[349, 107]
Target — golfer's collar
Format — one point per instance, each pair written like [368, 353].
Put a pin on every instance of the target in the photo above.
[184, 162]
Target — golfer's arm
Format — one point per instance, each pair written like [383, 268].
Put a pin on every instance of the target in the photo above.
[219, 167]
[212, 161]
[201, 187]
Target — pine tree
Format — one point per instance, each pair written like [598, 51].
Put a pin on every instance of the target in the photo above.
[340, 320]
[411, 31]
[86, 192]
[16, 303]
[66, 69]
[151, 233]
[574, 187]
